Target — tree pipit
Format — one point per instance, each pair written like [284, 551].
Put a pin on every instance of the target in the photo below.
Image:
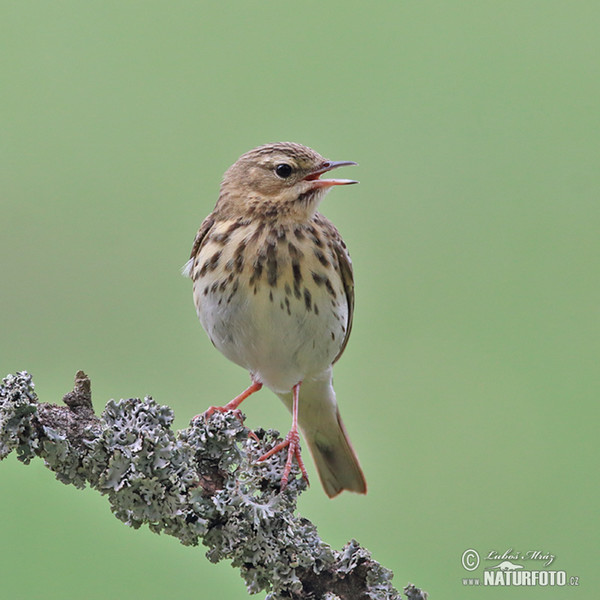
[274, 290]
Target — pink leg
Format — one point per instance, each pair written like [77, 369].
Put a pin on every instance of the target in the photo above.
[292, 443]
[233, 404]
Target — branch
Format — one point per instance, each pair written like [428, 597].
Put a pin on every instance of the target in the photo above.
[201, 483]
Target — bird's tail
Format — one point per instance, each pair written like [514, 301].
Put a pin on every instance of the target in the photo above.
[323, 429]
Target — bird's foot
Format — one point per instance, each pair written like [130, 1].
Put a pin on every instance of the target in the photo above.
[292, 443]
[222, 409]
[233, 406]
[237, 413]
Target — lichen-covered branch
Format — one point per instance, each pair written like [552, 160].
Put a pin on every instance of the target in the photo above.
[201, 483]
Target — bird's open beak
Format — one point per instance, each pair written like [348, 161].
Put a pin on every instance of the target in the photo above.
[328, 166]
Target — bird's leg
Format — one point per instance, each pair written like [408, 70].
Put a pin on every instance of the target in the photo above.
[291, 442]
[233, 404]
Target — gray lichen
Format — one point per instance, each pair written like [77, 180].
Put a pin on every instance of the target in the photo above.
[199, 484]
[18, 406]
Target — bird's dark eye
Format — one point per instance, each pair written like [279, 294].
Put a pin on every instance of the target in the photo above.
[283, 170]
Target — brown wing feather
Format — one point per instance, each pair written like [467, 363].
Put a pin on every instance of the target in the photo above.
[348, 282]
[340, 253]
[188, 269]
[201, 235]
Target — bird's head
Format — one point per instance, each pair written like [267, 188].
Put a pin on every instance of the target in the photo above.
[278, 180]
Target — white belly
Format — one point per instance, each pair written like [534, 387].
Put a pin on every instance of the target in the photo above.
[273, 334]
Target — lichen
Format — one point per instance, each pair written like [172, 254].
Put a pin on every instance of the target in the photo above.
[18, 405]
[202, 483]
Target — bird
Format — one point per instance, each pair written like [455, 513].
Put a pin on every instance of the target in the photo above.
[273, 288]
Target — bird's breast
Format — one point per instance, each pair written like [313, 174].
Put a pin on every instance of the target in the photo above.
[271, 299]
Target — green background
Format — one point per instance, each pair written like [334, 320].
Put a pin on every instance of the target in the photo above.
[470, 384]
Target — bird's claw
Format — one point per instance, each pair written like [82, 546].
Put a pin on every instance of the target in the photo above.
[211, 410]
[292, 443]
[237, 413]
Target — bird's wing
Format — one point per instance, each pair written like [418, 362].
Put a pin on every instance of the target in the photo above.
[345, 269]
[198, 241]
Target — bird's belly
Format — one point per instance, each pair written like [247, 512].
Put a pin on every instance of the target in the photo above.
[281, 335]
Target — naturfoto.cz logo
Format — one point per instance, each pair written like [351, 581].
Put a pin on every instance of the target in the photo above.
[507, 572]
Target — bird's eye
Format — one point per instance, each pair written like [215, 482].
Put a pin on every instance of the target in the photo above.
[283, 170]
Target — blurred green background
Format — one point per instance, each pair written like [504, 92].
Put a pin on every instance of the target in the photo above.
[470, 384]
